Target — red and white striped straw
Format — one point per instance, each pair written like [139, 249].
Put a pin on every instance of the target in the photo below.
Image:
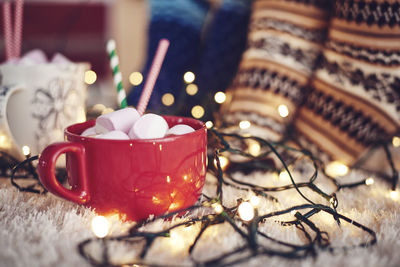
[8, 40]
[153, 75]
[19, 14]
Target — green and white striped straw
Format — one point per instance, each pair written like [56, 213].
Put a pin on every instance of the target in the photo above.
[117, 76]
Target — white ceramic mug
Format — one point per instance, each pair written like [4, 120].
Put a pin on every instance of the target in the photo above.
[37, 102]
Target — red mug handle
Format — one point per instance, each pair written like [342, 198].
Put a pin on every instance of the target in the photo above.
[46, 168]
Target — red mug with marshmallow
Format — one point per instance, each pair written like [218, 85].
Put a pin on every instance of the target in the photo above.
[134, 178]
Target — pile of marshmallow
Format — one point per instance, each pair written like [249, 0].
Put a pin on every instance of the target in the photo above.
[125, 124]
[37, 56]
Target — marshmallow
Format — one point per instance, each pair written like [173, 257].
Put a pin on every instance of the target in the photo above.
[121, 120]
[180, 129]
[89, 132]
[115, 135]
[149, 126]
[33, 57]
[59, 59]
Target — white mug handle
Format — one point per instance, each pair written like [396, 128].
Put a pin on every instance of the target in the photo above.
[8, 143]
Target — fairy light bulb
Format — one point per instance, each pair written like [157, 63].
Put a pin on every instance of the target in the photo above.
[223, 161]
[197, 112]
[189, 77]
[394, 194]
[396, 141]
[192, 89]
[220, 97]
[136, 78]
[283, 111]
[218, 208]
[26, 151]
[369, 181]
[255, 201]
[209, 124]
[284, 176]
[336, 168]
[90, 77]
[167, 99]
[100, 226]
[246, 211]
[244, 125]
[254, 148]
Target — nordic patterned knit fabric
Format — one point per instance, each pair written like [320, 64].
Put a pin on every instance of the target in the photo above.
[285, 39]
[354, 99]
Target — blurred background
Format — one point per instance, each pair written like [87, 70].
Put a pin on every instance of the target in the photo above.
[207, 39]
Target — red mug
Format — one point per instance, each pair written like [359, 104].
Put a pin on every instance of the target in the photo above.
[134, 178]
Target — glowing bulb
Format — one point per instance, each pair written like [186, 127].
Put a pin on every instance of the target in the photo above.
[284, 176]
[223, 161]
[90, 77]
[396, 141]
[192, 89]
[218, 208]
[198, 112]
[107, 110]
[209, 124]
[254, 148]
[244, 125]
[100, 226]
[283, 111]
[220, 97]
[394, 194]
[336, 168]
[168, 99]
[26, 150]
[246, 211]
[136, 78]
[255, 201]
[189, 77]
[369, 181]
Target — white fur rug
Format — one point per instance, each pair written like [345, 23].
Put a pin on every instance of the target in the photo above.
[43, 230]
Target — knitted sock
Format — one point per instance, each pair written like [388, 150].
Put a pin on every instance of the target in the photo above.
[285, 39]
[181, 23]
[354, 99]
[224, 43]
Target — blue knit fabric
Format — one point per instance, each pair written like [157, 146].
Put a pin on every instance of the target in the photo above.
[181, 22]
[213, 54]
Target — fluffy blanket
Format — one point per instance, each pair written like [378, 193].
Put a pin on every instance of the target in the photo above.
[43, 230]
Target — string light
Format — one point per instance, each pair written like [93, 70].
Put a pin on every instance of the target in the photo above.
[396, 141]
[90, 77]
[26, 151]
[220, 97]
[223, 161]
[209, 124]
[283, 110]
[255, 201]
[198, 112]
[244, 125]
[135, 78]
[254, 147]
[246, 211]
[336, 169]
[284, 176]
[218, 208]
[168, 99]
[369, 181]
[394, 194]
[189, 77]
[192, 89]
[100, 226]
